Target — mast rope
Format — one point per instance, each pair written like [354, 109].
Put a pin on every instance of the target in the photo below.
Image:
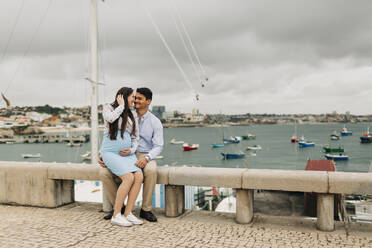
[170, 51]
[12, 32]
[189, 39]
[29, 45]
[186, 48]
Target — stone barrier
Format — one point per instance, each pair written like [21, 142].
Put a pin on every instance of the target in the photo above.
[52, 185]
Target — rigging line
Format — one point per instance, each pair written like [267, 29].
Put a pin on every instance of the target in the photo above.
[168, 49]
[12, 32]
[86, 49]
[84, 31]
[189, 39]
[29, 45]
[186, 48]
[102, 49]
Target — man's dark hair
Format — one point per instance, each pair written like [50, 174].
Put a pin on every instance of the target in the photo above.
[146, 92]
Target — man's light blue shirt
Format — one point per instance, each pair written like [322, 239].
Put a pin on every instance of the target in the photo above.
[150, 135]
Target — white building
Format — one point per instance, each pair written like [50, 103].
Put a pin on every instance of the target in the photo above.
[37, 116]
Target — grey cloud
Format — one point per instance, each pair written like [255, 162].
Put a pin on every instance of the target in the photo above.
[260, 56]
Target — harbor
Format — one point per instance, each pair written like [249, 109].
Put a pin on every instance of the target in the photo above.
[234, 171]
[277, 151]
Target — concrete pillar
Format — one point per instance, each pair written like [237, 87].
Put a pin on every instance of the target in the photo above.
[3, 198]
[325, 212]
[174, 200]
[106, 205]
[68, 191]
[244, 205]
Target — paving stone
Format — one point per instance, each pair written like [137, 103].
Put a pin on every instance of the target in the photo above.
[82, 225]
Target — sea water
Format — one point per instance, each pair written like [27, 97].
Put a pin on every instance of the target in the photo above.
[277, 151]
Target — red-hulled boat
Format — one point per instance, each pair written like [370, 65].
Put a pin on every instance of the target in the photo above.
[188, 147]
[366, 137]
[294, 139]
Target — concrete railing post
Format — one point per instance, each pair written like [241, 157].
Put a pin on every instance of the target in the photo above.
[174, 200]
[106, 205]
[325, 212]
[244, 205]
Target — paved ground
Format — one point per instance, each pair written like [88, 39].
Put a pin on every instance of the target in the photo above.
[81, 225]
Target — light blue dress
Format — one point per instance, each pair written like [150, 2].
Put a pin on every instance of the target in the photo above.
[118, 165]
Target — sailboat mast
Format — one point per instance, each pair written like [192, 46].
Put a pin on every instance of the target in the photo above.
[94, 81]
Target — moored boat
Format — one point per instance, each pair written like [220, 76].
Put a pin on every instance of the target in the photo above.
[218, 145]
[29, 155]
[87, 156]
[294, 139]
[188, 147]
[248, 136]
[340, 156]
[232, 155]
[334, 136]
[306, 143]
[232, 140]
[73, 144]
[366, 137]
[176, 142]
[328, 149]
[345, 132]
[254, 147]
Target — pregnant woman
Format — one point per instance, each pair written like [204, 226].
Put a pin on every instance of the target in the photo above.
[121, 134]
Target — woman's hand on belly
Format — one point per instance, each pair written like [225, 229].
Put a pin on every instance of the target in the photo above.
[124, 152]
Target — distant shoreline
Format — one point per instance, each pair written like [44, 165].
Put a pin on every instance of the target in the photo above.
[172, 125]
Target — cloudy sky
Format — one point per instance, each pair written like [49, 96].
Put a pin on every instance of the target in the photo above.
[260, 56]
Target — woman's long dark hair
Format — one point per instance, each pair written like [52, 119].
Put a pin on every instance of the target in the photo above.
[113, 127]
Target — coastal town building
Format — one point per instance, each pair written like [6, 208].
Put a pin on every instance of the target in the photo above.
[80, 116]
[158, 111]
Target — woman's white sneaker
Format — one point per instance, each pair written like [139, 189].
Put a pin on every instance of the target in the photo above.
[120, 220]
[134, 219]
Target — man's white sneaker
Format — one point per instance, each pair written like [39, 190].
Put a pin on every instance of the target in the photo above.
[134, 219]
[120, 220]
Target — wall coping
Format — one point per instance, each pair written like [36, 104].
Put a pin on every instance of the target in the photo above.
[284, 180]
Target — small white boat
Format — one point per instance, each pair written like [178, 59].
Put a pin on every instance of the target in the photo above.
[9, 142]
[29, 155]
[73, 144]
[254, 147]
[87, 156]
[176, 142]
[159, 157]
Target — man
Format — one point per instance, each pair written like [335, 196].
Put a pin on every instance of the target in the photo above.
[150, 145]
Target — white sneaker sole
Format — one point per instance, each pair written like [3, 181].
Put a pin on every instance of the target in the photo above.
[121, 224]
[137, 223]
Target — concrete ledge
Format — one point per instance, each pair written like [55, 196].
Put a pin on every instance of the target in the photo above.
[198, 176]
[350, 183]
[163, 175]
[28, 184]
[73, 171]
[285, 180]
